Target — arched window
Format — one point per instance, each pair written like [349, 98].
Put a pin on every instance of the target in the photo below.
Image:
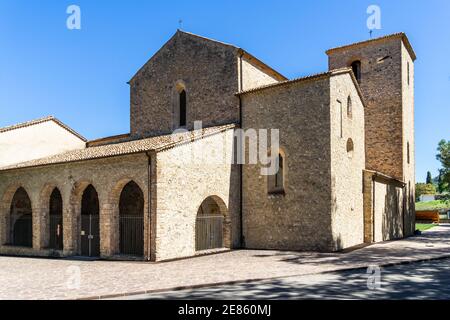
[350, 148]
[21, 220]
[56, 220]
[356, 67]
[276, 181]
[182, 112]
[349, 107]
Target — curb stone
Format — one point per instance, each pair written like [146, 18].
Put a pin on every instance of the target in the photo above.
[217, 284]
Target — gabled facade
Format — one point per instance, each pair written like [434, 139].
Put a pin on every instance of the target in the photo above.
[208, 72]
[37, 139]
[345, 159]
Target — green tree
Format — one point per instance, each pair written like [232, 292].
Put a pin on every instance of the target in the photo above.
[424, 188]
[444, 157]
[429, 178]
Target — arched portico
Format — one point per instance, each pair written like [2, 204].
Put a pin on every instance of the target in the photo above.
[131, 220]
[21, 220]
[90, 223]
[212, 227]
[127, 208]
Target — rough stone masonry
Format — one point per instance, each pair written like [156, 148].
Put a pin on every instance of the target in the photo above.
[346, 160]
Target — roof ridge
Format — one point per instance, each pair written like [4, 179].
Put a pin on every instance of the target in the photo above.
[401, 35]
[39, 121]
[208, 39]
[239, 49]
[316, 76]
[26, 124]
[277, 84]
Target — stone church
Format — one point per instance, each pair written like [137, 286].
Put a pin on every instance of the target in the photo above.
[345, 160]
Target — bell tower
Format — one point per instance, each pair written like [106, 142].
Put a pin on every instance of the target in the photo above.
[384, 68]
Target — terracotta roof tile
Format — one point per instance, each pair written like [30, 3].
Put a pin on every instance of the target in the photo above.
[137, 146]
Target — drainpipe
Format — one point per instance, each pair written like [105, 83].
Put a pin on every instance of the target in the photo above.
[404, 209]
[241, 191]
[149, 201]
[373, 208]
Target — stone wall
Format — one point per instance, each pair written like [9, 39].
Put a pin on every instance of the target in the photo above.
[36, 141]
[389, 116]
[300, 218]
[347, 166]
[385, 217]
[205, 69]
[254, 76]
[409, 161]
[381, 80]
[108, 176]
[184, 179]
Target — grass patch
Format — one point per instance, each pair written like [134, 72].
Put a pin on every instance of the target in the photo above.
[424, 226]
[432, 205]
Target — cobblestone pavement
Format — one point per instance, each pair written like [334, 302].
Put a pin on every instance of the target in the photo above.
[29, 278]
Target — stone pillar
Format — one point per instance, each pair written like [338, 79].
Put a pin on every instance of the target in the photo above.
[368, 206]
[106, 234]
[4, 223]
[44, 227]
[70, 231]
[37, 227]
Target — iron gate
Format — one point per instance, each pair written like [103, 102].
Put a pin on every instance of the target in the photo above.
[132, 235]
[56, 232]
[22, 230]
[209, 232]
[90, 235]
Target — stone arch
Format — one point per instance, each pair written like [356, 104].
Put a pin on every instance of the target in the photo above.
[44, 208]
[21, 219]
[72, 223]
[113, 211]
[90, 222]
[5, 208]
[131, 217]
[213, 225]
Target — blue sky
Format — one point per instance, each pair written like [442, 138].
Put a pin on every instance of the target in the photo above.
[80, 76]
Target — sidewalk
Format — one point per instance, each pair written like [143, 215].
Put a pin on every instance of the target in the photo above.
[23, 278]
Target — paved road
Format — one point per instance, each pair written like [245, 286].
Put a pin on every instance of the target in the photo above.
[426, 280]
[25, 278]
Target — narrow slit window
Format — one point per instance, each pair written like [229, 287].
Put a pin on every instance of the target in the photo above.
[356, 67]
[408, 156]
[183, 117]
[349, 107]
[341, 120]
[408, 73]
[279, 175]
[276, 181]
